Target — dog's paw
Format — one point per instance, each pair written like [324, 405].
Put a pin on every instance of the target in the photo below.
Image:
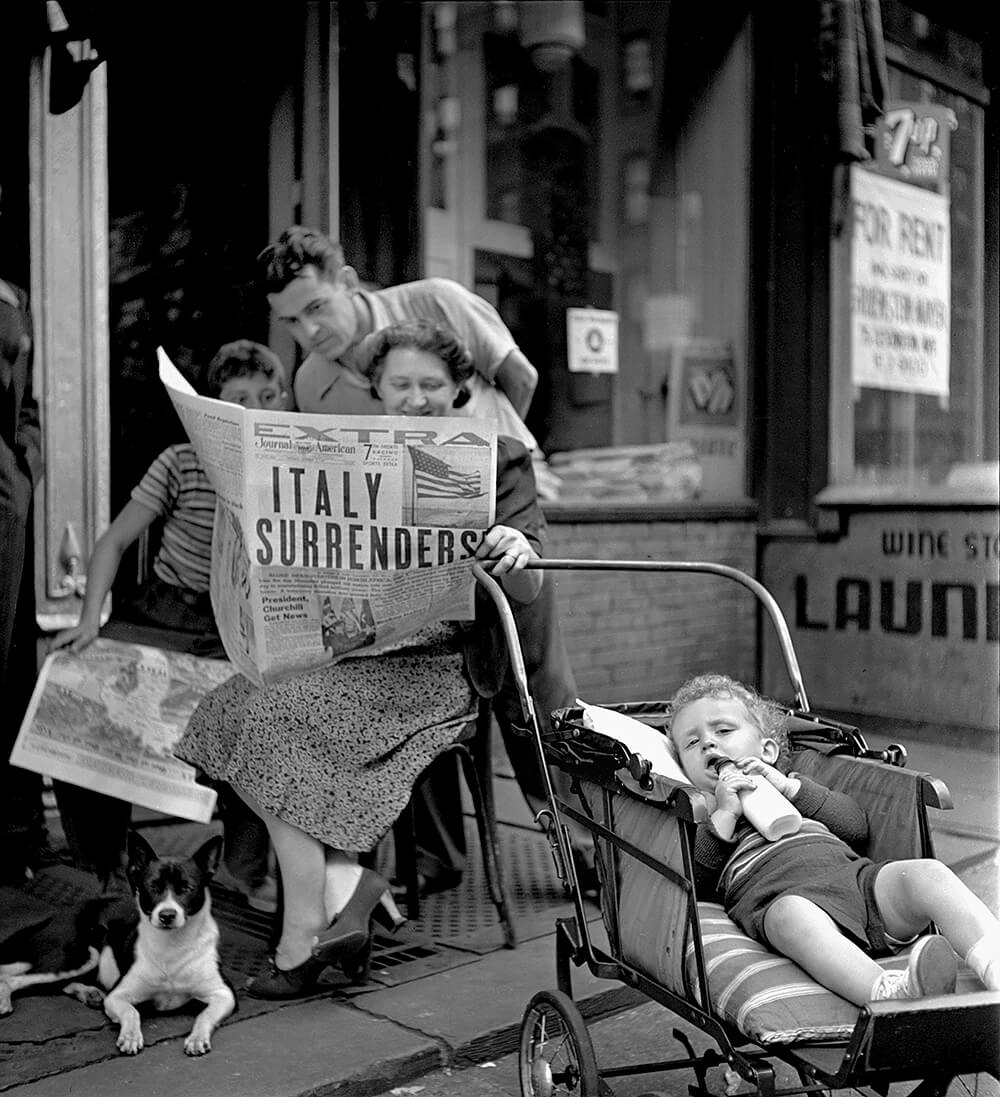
[85, 993]
[130, 1040]
[198, 1043]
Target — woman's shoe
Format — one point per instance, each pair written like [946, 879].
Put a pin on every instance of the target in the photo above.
[296, 982]
[387, 914]
[351, 930]
[358, 966]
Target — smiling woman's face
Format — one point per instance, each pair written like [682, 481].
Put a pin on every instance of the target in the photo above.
[415, 382]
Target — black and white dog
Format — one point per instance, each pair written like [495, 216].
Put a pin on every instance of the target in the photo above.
[172, 956]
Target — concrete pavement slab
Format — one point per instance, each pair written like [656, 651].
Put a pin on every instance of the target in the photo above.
[314, 1048]
[475, 1010]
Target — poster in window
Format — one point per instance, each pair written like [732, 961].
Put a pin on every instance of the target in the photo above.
[900, 290]
[705, 406]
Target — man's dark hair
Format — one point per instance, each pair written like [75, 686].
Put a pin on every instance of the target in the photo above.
[297, 247]
[242, 358]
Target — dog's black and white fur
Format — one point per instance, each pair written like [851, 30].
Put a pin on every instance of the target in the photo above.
[175, 955]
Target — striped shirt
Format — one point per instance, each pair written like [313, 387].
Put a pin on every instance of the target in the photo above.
[753, 852]
[176, 488]
[833, 827]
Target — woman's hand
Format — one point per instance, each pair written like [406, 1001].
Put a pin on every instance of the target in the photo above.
[506, 548]
[787, 786]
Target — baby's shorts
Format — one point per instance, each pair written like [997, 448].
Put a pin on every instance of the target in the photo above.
[880, 941]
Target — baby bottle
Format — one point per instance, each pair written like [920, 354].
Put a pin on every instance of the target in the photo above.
[765, 808]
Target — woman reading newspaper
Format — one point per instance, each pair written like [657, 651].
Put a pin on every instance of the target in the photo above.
[328, 759]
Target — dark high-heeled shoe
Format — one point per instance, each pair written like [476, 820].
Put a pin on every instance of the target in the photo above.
[358, 965]
[295, 982]
[350, 931]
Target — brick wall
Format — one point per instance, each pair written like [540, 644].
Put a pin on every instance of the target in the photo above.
[636, 635]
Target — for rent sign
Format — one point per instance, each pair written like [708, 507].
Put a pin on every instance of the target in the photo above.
[900, 286]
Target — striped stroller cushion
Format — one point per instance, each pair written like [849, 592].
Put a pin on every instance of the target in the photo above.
[766, 996]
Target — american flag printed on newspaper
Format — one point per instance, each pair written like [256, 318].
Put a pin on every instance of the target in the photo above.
[436, 479]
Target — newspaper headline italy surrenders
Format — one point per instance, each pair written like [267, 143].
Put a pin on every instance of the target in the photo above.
[336, 535]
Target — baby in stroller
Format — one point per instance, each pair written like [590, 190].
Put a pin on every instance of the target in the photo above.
[809, 895]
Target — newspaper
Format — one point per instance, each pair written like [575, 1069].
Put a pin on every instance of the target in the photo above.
[108, 718]
[336, 536]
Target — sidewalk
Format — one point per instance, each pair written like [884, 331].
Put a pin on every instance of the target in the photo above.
[454, 999]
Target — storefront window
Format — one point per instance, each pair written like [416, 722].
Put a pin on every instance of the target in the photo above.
[581, 178]
[908, 361]
[687, 244]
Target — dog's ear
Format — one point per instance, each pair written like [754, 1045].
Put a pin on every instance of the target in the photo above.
[207, 857]
[140, 856]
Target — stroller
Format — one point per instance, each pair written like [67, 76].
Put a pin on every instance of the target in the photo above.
[759, 1009]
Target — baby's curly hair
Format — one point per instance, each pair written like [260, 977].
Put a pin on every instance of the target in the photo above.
[768, 716]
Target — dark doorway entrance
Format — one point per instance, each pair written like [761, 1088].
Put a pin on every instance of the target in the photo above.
[190, 106]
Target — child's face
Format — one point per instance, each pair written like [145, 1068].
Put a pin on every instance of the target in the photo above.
[716, 727]
[255, 391]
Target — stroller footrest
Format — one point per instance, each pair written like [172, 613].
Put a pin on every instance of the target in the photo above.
[944, 1036]
[950, 1028]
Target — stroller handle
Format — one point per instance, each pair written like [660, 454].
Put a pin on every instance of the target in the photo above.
[761, 592]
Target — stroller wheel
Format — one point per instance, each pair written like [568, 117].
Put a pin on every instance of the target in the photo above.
[556, 1055]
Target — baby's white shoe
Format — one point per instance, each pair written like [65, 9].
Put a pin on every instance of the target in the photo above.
[931, 968]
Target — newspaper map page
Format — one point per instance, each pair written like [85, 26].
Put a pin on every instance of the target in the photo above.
[336, 536]
[108, 718]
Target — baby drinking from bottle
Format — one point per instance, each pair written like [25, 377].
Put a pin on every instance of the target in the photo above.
[806, 892]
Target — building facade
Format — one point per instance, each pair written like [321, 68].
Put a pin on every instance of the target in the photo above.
[791, 212]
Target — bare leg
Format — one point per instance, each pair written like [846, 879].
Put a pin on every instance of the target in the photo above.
[803, 932]
[909, 894]
[342, 875]
[302, 860]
